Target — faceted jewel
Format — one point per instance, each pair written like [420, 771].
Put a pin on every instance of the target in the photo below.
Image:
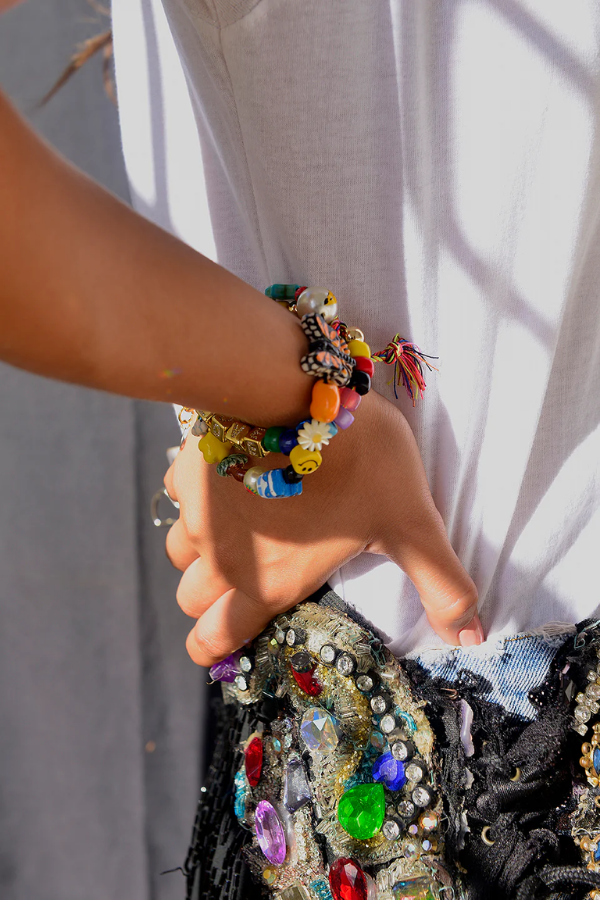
[347, 880]
[361, 811]
[389, 771]
[320, 730]
[253, 760]
[413, 889]
[270, 833]
[596, 760]
[227, 669]
[296, 792]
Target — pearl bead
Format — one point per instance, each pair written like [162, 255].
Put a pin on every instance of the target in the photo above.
[251, 478]
[317, 300]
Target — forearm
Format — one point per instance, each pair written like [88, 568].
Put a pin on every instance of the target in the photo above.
[94, 294]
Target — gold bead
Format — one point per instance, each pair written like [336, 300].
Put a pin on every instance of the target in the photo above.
[585, 748]
[585, 761]
[585, 844]
[596, 727]
[593, 781]
[355, 334]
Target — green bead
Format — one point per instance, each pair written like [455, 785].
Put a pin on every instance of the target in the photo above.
[361, 811]
[282, 291]
[271, 438]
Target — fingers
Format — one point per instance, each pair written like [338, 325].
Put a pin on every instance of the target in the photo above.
[201, 584]
[179, 548]
[447, 592]
[233, 620]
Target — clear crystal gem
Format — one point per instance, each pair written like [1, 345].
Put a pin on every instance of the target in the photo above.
[411, 851]
[580, 729]
[580, 698]
[279, 636]
[426, 845]
[241, 683]
[592, 675]
[320, 730]
[429, 821]
[387, 724]
[391, 830]
[406, 809]
[290, 637]
[582, 713]
[379, 704]
[415, 772]
[296, 792]
[593, 706]
[402, 750]
[365, 683]
[327, 654]
[421, 796]
[593, 691]
[345, 664]
[413, 830]
[245, 664]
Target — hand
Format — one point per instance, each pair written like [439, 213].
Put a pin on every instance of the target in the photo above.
[246, 559]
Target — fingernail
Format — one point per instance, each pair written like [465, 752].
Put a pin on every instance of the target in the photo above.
[471, 634]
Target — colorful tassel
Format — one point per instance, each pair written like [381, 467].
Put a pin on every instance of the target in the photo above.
[408, 362]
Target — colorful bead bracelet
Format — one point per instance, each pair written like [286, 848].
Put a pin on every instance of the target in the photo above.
[340, 359]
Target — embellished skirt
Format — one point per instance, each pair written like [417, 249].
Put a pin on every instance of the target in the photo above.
[342, 773]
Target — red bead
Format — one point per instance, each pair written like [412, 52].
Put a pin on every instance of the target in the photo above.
[237, 472]
[307, 682]
[253, 759]
[364, 364]
[349, 399]
[347, 880]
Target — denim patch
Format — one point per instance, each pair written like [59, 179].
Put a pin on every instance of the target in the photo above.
[507, 671]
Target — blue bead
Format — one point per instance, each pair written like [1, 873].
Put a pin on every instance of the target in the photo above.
[288, 440]
[596, 760]
[389, 771]
[272, 484]
[597, 853]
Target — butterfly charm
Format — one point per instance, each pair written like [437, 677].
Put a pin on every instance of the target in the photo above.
[328, 357]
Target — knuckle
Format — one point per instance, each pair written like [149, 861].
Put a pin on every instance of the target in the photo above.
[210, 648]
[186, 603]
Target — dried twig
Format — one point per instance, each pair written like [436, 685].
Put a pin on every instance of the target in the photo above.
[100, 42]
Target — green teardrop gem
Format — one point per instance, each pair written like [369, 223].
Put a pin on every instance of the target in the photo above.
[361, 811]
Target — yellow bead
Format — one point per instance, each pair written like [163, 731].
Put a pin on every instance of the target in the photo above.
[359, 348]
[213, 450]
[305, 461]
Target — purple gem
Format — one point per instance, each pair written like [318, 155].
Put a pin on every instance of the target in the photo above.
[227, 669]
[389, 771]
[269, 832]
[343, 419]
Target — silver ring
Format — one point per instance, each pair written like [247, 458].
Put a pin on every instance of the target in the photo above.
[161, 523]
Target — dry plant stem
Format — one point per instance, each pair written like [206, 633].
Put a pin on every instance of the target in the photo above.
[94, 294]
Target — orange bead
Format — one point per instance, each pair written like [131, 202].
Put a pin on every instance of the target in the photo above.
[325, 403]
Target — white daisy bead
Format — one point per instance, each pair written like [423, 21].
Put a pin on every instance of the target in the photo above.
[313, 435]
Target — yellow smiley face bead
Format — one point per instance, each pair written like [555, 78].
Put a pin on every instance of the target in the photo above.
[213, 450]
[305, 461]
[359, 348]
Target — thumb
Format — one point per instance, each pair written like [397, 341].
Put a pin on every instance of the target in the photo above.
[446, 590]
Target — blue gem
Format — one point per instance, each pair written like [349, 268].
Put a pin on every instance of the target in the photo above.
[389, 771]
[596, 760]
[240, 795]
[288, 440]
[597, 853]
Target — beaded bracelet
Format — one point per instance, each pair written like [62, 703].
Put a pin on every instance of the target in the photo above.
[340, 360]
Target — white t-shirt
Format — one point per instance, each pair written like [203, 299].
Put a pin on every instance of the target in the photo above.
[436, 165]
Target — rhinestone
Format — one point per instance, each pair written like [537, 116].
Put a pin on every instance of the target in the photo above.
[413, 830]
[387, 724]
[593, 691]
[426, 845]
[402, 750]
[327, 654]
[295, 636]
[406, 809]
[290, 638]
[302, 662]
[320, 730]
[377, 740]
[391, 830]
[279, 636]
[429, 821]
[580, 698]
[593, 706]
[345, 664]
[270, 833]
[226, 669]
[389, 771]
[582, 713]
[361, 811]
[276, 745]
[421, 796]
[296, 792]
[245, 664]
[592, 675]
[379, 704]
[415, 772]
[347, 881]
[580, 729]
[241, 683]
[411, 851]
[253, 760]
[365, 683]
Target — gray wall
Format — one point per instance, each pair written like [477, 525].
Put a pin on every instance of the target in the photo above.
[100, 708]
